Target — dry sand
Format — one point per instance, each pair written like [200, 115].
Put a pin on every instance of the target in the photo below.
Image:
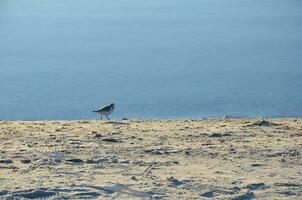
[238, 159]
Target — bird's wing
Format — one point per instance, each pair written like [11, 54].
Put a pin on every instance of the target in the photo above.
[105, 108]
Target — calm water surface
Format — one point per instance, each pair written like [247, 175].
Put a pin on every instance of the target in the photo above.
[154, 59]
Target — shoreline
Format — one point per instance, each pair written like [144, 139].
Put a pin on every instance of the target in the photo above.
[152, 119]
[259, 158]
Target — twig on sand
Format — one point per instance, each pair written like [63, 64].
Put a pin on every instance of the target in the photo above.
[148, 169]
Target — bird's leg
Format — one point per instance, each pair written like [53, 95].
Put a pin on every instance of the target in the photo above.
[107, 117]
[101, 116]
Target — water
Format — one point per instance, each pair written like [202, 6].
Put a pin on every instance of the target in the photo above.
[153, 59]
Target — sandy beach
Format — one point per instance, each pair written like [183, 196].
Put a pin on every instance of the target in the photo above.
[239, 159]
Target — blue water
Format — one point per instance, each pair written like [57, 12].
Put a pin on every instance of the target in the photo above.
[153, 59]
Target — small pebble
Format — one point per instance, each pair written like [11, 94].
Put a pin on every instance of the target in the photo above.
[75, 160]
[111, 140]
[25, 161]
[97, 135]
[8, 161]
[125, 161]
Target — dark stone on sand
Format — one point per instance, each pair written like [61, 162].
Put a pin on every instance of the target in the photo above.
[236, 189]
[208, 194]
[98, 135]
[214, 135]
[288, 185]
[256, 186]
[14, 168]
[92, 162]
[174, 182]
[263, 123]
[3, 192]
[25, 161]
[257, 165]
[7, 161]
[246, 196]
[125, 161]
[37, 194]
[111, 140]
[75, 160]
[172, 162]
[287, 193]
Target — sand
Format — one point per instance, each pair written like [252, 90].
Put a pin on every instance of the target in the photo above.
[238, 159]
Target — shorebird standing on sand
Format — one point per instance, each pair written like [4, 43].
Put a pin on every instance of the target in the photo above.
[106, 110]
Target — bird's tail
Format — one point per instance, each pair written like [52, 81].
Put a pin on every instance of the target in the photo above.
[94, 111]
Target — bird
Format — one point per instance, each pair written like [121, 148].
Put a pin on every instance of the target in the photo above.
[106, 110]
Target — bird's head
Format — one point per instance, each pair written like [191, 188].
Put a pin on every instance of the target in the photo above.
[112, 105]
